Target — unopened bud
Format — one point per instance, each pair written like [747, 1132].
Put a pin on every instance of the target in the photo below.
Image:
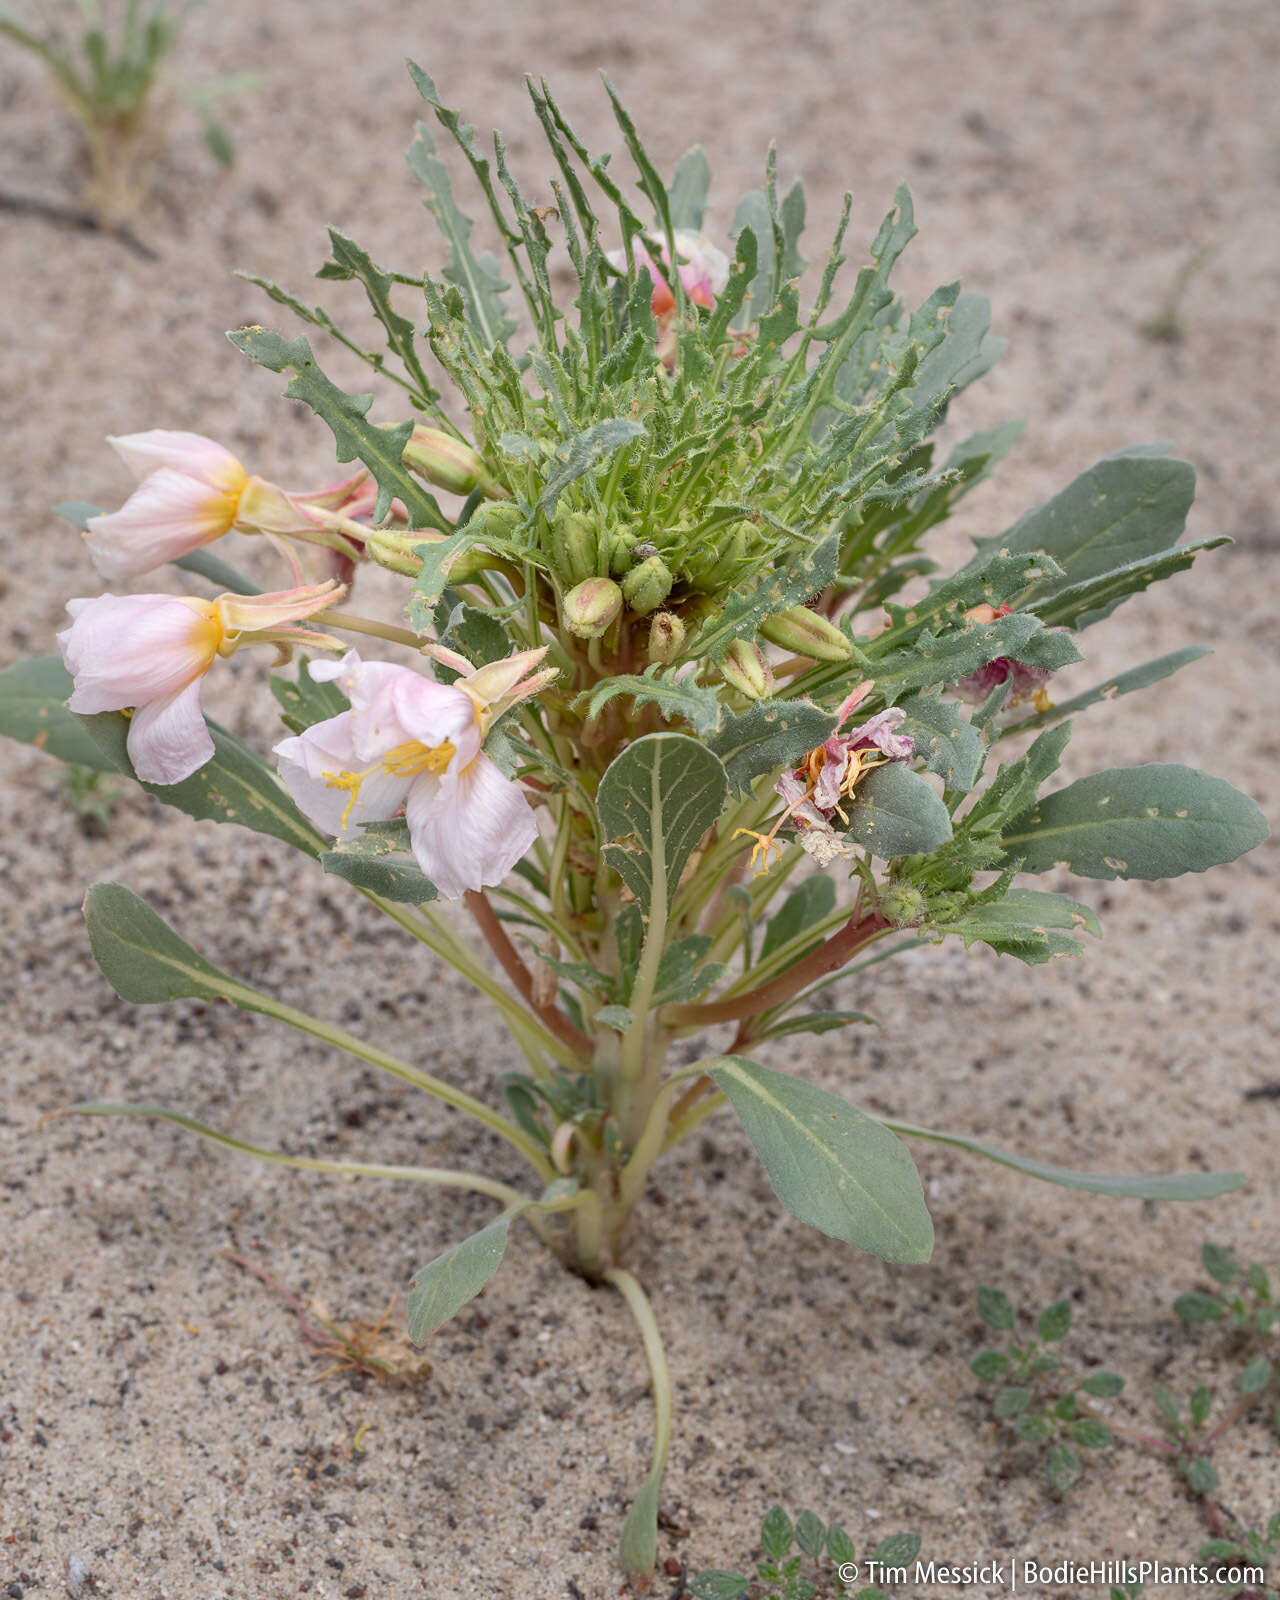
[576, 547]
[592, 607]
[805, 633]
[666, 637]
[903, 904]
[495, 520]
[645, 587]
[717, 565]
[449, 463]
[622, 545]
[745, 669]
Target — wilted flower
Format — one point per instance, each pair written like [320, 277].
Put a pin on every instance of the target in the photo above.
[815, 791]
[1025, 682]
[704, 271]
[148, 654]
[411, 742]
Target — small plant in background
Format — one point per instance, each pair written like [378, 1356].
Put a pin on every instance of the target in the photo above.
[1047, 1403]
[807, 1560]
[692, 721]
[110, 70]
[91, 797]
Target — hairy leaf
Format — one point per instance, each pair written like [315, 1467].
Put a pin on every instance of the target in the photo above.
[945, 740]
[830, 1164]
[399, 880]
[33, 710]
[443, 1286]
[1026, 923]
[894, 812]
[767, 735]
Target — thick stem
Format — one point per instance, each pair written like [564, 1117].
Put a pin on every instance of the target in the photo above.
[551, 1017]
[828, 957]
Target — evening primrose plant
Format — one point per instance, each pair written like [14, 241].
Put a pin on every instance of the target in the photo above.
[683, 720]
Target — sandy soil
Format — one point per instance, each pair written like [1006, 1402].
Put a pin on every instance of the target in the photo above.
[159, 1421]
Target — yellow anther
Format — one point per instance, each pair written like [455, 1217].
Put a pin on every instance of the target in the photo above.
[1040, 699]
[764, 842]
[405, 761]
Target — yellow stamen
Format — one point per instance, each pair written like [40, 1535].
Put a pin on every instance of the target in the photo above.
[1040, 699]
[764, 842]
[405, 761]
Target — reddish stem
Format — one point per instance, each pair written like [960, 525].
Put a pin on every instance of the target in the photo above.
[828, 957]
[509, 960]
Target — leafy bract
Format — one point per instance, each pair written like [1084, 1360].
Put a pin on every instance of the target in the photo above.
[1156, 821]
[656, 802]
[830, 1164]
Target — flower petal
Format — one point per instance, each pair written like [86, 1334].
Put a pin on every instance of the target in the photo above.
[127, 650]
[468, 832]
[168, 738]
[313, 765]
[189, 453]
[168, 515]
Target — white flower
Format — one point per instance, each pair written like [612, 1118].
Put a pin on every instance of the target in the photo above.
[188, 495]
[411, 742]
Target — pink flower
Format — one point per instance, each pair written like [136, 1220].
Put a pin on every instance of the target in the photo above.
[704, 271]
[188, 495]
[148, 653]
[411, 742]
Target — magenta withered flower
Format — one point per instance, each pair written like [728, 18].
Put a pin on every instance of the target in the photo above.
[409, 743]
[816, 791]
[1025, 681]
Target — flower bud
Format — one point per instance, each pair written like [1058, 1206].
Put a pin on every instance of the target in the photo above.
[449, 463]
[576, 546]
[495, 520]
[592, 607]
[622, 544]
[645, 587]
[716, 566]
[805, 633]
[745, 669]
[903, 904]
[666, 637]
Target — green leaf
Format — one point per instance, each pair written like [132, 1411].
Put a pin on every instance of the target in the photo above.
[1103, 1385]
[988, 1364]
[717, 1585]
[1201, 1405]
[1162, 1186]
[946, 741]
[355, 437]
[1219, 1263]
[77, 513]
[682, 976]
[1154, 821]
[638, 1551]
[585, 452]
[1096, 598]
[1258, 1281]
[768, 735]
[697, 705]
[811, 1533]
[656, 801]
[218, 572]
[1091, 1434]
[477, 278]
[1166, 1403]
[808, 902]
[802, 574]
[1055, 1322]
[304, 702]
[1031, 1429]
[1126, 509]
[840, 1547]
[894, 812]
[616, 1017]
[830, 1164]
[443, 1286]
[218, 142]
[1202, 1475]
[353, 262]
[401, 880]
[897, 1550]
[776, 1533]
[1012, 1402]
[1198, 1307]
[1063, 1467]
[33, 711]
[995, 1308]
[687, 194]
[1124, 683]
[233, 786]
[144, 960]
[1255, 1377]
[1027, 923]
[814, 1022]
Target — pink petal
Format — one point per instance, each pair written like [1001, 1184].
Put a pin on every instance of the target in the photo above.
[168, 738]
[310, 759]
[168, 515]
[432, 712]
[468, 832]
[189, 453]
[127, 650]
